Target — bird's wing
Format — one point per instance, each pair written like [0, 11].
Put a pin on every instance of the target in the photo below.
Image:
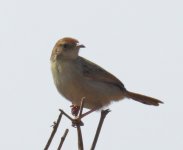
[94, 72]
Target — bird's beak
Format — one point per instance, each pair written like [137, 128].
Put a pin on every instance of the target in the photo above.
[80, 46]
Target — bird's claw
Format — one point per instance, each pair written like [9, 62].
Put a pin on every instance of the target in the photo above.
[77, 122]
[75, 110]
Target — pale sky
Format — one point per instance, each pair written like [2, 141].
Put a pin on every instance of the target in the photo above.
[140, 42]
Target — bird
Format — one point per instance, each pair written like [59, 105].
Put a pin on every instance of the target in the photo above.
[76, 77]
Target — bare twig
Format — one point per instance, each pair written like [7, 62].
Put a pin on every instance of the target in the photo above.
[78, 126]
[81, 107]
[55, 126]
[63, 139]
[76, 122]
[87, 113]
[65, 114]
[102, 117]
[80, 138]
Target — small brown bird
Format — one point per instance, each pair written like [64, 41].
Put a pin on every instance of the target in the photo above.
[76, 77]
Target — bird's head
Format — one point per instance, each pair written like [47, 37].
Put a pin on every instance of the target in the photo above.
[66, 48]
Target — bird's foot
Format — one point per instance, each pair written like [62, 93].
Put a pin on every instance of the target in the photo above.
[77, 122]
[75, 110]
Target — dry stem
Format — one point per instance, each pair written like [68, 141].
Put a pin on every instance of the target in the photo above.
[102, 117]
[63, 139]
[76, 122]
[78, 126]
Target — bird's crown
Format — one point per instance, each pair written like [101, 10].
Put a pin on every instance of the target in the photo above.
[68, 40]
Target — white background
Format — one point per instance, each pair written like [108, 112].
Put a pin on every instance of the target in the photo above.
[141, 42]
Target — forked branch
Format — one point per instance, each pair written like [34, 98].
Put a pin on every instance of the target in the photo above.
[76, 122]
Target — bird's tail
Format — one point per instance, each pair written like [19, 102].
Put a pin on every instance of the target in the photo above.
[143, 99]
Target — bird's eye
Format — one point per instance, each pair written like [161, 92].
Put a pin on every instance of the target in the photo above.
[65, 45]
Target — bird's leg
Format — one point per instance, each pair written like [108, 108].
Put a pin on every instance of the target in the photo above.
[78, 117]
[77, 112]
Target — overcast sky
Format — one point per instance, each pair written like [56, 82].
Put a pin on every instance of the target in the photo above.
[141, 42]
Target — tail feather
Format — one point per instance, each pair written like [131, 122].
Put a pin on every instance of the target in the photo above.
[143, 99]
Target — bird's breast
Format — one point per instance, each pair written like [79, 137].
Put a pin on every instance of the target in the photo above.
[67, 79]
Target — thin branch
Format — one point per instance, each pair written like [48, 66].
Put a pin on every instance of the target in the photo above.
[55, 126]
[78, 126]
[66, 115]
[80, 138]
[81, 107]
[76, 122]
[102, 117]
[87, 113]
[63, 139]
